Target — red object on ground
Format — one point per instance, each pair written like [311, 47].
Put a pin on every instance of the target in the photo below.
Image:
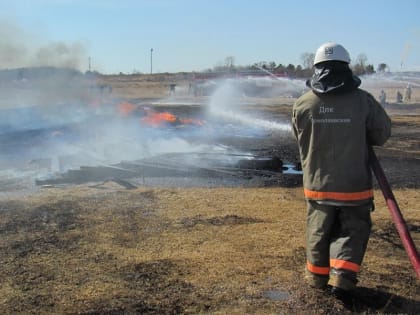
[396, 214]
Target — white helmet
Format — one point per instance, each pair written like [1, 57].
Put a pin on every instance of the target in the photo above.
[331, 51]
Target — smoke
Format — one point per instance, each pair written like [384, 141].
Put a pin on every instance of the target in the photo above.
[41, 141]
[49, 126]
[38, 71]
[19, 49]
[12, 45]
[128, 139]
[58, 54]
[54, 139]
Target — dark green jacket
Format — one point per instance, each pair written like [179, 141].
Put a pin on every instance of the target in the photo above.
[333, 133]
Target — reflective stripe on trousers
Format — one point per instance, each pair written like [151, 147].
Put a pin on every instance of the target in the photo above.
[334, 263]
[336, 237]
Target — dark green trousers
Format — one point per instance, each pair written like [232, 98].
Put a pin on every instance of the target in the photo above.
[337, 238]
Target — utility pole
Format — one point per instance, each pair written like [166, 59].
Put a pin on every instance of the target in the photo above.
[89, 63]
[151, 60]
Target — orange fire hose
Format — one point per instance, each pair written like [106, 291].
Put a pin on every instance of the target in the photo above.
[396, 214]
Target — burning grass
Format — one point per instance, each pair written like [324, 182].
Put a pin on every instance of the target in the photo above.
[171, 251]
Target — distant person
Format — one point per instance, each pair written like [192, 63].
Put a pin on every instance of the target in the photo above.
[382, 97]
[172, 89]
[399, 97]
[334, 124]
[407, 94]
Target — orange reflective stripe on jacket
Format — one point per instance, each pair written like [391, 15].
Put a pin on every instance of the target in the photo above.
[343, 196]
[317, 270]
[343, 264]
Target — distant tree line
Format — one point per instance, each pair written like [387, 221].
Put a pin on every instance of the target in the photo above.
[360, 66]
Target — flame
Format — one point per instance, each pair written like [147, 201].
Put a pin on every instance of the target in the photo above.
[192, 121]
[126, 108]
[158, 119]
[153, 118]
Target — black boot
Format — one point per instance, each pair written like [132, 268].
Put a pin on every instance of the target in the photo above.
[345, 296]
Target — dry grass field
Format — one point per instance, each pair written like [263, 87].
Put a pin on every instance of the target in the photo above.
[103, 249]
[173, 251]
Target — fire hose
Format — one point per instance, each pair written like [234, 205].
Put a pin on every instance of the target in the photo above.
[396, 214]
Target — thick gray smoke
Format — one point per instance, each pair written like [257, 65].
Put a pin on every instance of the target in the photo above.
[62, 55]
[50, 121]
[19, 49]
[54, 139]
[37, 71]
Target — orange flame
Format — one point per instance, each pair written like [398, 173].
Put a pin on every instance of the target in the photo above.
[192, 121]
[154, 118]
[158, 119]
[125, 108]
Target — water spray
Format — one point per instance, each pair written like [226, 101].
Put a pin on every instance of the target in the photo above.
[224, 104]
[268, 72]
[255, 122]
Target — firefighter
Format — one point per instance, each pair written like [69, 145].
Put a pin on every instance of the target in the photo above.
[334, 123]
[407, 93]
[399, 97]
[382, 97]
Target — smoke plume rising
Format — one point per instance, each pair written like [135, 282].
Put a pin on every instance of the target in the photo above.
[19, 49]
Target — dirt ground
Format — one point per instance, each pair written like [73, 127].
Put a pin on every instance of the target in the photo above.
[104, 249]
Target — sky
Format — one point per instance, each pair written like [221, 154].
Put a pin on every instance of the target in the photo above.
[113, 36]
